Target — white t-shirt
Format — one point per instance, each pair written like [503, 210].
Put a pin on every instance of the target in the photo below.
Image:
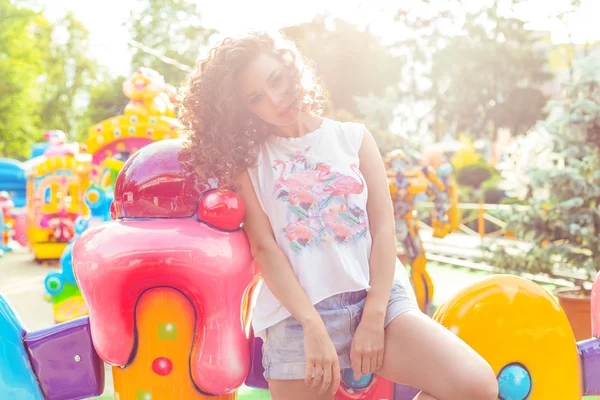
[312, 190]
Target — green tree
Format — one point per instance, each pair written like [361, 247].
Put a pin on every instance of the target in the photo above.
[21, 63]
[106, 99]
[69, 71]
[563, 221]
[471, 68]
[493, 76]
[171, 29]
[427, 27]
[349, 62]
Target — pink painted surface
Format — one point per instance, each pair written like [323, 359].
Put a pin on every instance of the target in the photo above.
[116, 262]
[147, 247]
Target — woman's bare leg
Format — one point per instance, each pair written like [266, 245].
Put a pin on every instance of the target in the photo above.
[423, 354]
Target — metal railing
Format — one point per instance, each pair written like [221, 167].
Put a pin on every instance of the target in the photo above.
[462, 248]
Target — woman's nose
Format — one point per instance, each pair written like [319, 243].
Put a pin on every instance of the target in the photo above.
[276, 97]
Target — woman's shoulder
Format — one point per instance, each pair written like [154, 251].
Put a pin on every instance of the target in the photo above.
[344, 124]
[350, 131]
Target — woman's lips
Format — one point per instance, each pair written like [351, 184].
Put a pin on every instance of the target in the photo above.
[287, 111]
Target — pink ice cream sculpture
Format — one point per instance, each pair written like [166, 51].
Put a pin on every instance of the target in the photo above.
[170, 231]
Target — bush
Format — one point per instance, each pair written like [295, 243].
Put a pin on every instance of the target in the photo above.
[474, 175]
[493, 195]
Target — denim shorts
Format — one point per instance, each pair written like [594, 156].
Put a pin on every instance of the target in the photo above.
[283, 349]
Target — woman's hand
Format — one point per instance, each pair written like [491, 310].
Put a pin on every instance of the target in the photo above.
[322, 363]
[367, 348]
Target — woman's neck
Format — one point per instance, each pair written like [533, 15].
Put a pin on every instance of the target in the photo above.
[305, 123]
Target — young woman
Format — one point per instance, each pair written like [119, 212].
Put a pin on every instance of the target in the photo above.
[320, 222]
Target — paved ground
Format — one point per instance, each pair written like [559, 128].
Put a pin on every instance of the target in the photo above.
[22, 282]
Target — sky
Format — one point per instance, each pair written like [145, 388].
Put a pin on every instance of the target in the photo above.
[105, 19]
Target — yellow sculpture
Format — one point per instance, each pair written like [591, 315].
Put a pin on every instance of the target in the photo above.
[148, 117]
[54, 200]
[408, 180]
[148, 94]
[520, 329]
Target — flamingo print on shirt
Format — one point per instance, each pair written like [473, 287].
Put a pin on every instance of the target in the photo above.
[319, 199]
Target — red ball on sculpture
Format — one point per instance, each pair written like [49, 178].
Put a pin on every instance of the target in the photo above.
[222, 209]
[162, 366]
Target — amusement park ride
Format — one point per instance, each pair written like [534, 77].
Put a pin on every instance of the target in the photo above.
[148, 117]
[169, 282]
[160, 262]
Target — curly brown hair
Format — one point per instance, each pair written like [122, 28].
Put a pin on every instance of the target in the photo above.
[223, 135]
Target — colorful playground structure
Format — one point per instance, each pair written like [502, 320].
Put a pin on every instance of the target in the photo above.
[169, 284]
[13, 181]
[147, 118]
[61, 286]
[59, 173]
[54, 198]
[157, 279]
[409, 179]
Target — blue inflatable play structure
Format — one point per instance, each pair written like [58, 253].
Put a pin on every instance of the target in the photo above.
[38, 149]
[13, 181]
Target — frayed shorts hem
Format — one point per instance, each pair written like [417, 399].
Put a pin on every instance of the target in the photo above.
[297, 371]
[283, 350]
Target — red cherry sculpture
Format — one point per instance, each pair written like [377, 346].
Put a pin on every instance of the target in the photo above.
[222, 209]
[162, 366]
[154, 183]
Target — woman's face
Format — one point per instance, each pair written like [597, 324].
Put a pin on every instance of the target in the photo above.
[266, 88]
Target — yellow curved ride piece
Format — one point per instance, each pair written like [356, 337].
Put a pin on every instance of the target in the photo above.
[121, 127]
[511, 320]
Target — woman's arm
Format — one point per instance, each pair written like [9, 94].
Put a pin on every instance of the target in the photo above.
[272, 262]
[280, 278]
[383, 232]
[367, 348]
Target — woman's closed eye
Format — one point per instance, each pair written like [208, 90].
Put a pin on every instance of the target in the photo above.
[256, 99]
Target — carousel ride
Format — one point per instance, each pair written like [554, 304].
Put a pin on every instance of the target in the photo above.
[169, 282]
[164, 280]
